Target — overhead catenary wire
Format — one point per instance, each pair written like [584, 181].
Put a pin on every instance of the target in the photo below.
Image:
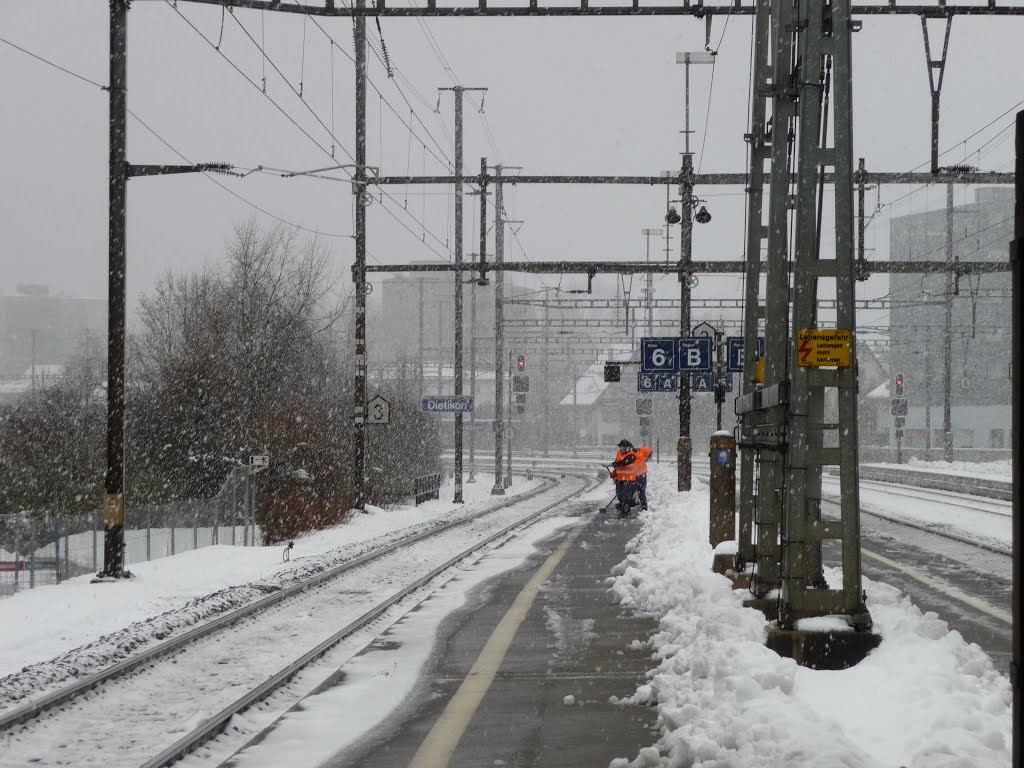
[232, 192]
[291, 119]
[50, 63]
[385, 61]
[174, 149]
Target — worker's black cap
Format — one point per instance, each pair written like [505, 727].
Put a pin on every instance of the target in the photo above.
[625, 442]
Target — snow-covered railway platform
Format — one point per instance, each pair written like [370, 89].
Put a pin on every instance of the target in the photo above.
[530, 671]
[599, 642]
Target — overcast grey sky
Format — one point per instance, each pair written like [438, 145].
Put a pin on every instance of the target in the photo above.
[566, 96]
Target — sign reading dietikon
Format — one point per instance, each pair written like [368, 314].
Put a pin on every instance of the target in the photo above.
[447, 404]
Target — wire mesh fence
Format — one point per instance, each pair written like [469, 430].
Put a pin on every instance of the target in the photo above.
[39, 548]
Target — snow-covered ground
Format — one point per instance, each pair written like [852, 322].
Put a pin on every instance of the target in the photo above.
[996, 470]
[332, 720]
[971, 518]
[172, 593]
[923, 699]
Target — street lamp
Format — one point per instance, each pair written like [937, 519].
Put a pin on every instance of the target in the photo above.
[684, 446]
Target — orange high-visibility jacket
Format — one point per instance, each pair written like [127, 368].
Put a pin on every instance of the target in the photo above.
[623, 469]
[643, 453]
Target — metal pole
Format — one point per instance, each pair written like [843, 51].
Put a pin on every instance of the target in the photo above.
[575, 411]
[783, 24]
[440, 351]
[861, 259]
[650, 292]
[458, 91]
[753, 310]
[547, 376]
[686, 98]
[419, 352]
[56, 550]
[684, 444]
[359, 268]
[472, 324]
[508, 431]
[719, 382]
[928, 399]
[113, 499]
[472, 385]
[499, 333]
[1016, 257]
[947, 354]
[34, 334]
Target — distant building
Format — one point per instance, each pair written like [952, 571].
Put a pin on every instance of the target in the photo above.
[36, 326]
[980, 338]
[418, 305]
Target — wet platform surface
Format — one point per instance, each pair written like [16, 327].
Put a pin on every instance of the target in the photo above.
[572, 642]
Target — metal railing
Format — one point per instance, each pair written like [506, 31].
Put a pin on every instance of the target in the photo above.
[39, 549]
[426, 487]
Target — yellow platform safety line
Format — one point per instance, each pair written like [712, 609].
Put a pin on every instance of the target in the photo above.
[439, 745]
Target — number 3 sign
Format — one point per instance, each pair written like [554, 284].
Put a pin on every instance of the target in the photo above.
[378, 411]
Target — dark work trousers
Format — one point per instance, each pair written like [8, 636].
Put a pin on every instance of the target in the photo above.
[625, 490]
[641, 484]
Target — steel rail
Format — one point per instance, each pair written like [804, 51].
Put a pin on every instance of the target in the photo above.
[937, 531]
[216, 724]
[49, 701]
[942, 532]
[943, 496]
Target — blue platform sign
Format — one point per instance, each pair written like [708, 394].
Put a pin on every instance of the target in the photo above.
[734, 352]
[694, 354]
[658, 355]
[447, 404]
[657, 382]
[705, 382]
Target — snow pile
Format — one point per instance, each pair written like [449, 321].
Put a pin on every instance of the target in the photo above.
[924, 698]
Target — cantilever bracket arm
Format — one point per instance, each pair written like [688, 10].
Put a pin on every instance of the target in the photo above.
[132, 171]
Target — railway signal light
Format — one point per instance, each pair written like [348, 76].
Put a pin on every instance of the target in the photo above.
[521, 363]
[899, 385]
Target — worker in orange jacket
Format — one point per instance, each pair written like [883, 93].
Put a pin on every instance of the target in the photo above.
[643, 453]
[629, 470]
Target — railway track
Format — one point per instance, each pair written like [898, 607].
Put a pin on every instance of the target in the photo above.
[974, 512]
[192, 685]
[963, 500]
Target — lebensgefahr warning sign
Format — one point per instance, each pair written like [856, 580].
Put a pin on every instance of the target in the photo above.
[823, 348]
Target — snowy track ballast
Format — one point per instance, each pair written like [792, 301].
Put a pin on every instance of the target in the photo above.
[216, 724]
[63, 695]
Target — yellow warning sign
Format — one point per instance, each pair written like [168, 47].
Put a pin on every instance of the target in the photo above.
[113, 509]
[760, 370]
[823, 347]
